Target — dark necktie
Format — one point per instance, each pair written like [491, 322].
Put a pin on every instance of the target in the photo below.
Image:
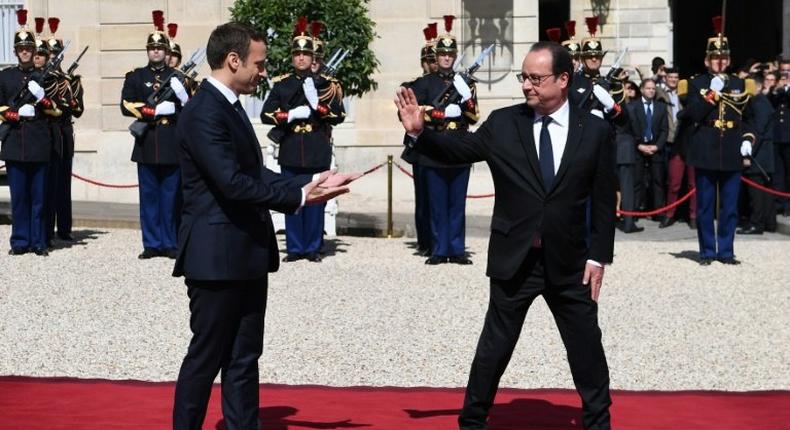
[649, 127]
[240, 110]
[546, 154]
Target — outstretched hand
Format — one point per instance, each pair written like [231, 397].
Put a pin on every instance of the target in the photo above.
[325, 188]
[411, 114]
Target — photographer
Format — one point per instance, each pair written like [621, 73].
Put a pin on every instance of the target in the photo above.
[780, 98]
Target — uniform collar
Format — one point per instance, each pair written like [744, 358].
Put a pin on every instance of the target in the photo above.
[156, 69]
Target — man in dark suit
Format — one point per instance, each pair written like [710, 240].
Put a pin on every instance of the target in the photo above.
[547, 158]
[226, 239]
[649, 123]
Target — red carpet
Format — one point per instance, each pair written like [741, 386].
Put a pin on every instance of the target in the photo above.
[54, 403]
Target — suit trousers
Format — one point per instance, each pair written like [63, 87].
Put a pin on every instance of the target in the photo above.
[676, 170]
[304, 230]
[625, 174]
[59, 197]
[650, 172]
[226, 319]
[782, 169]
[718, 244]
[159, 201]
[27, 183]
[763, 215]
[422, 211]
[447, 188]
[576, 315]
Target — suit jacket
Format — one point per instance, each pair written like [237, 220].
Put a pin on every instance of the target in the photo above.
[524, 208]
[660, 126]
[764, 126]
[226, 231]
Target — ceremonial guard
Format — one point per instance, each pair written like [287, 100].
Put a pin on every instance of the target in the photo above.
[69, 98]
[601, 95]
[26, 144]
[572, 45]
[155, 151]
[303, 106]
[422, 218]
[719, 106]
[447, 184]
[174, 49]
[319, 47]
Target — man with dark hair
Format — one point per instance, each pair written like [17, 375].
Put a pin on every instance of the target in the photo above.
[155, 152]
[227, 245]
[548, 158]
[648, 116]
[659, 69]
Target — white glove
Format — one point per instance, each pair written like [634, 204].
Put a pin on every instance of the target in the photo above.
[310, 93]
[452, 111]
[165, 108]
[746, 148]
[462, 88]
[597, 112]
[301, 112]
[179, 89]
[27, 111]
[717, 84]
[603, 96]
[36, 90]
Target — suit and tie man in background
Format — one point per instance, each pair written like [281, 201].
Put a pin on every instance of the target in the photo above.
[648, 116]
[226, 240]
[548, 158]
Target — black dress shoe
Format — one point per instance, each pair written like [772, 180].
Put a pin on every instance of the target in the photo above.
[460, 259]
[705, 261]
[729, 261]
[434, 260]
[693, 224]
[291, 258]
[171, 253]
[424, 252]
[633, 229]
[148, 253]
[65, 237]
[17, 251]
[41, 252]
[666, 222]
[750, 230]
[313, 257]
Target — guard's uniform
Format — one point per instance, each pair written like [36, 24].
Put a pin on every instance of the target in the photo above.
[422, 217]
[155, 153]
[722, 124]
[305, 144]
[26, 151]
[447, 184]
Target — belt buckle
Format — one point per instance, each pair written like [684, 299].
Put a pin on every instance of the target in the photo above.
[452, 125]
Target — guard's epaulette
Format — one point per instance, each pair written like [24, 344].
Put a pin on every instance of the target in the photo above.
[683, 87]
[280, 78]
[329, 78]
[750, 87]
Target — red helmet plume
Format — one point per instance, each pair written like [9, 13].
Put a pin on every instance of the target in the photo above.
[434, 30]
[448, 22]
[316, 27]
[570, 28]
[159, 19]
[21, 17]
[172, 30]
[592, 24]
[39, 24]
[717, 24]
[554, 33]
[53, 24]
[301, 25]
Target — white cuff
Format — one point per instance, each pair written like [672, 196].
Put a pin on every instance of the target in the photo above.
[594, 263]
[304, 196]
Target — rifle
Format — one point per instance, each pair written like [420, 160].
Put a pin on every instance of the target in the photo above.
[188, 70]
[614, 71]
[330, 68]
[450, 95]
[24, 96]
[76, 62]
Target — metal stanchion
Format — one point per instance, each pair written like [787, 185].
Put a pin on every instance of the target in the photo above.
[389, 197]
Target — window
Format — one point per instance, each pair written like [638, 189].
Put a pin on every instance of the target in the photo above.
[485, 23]
[8, 27]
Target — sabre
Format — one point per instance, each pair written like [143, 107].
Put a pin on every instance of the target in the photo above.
[76, 62]
[340, 60]
[334, 56]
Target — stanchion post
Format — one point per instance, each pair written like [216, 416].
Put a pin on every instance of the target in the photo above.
[389, 197]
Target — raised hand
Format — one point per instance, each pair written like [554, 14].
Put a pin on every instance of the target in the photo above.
[411, 114]
[340, 179]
